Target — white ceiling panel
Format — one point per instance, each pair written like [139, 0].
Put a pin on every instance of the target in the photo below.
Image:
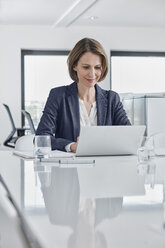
[146, 13]
[138, 13]
[32, 12]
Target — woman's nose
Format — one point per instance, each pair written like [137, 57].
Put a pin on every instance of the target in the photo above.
[92, 72]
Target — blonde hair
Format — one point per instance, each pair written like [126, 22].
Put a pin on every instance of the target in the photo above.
[81, 47]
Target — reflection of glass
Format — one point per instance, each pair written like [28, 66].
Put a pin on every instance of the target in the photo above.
[146, 160]
[150, 176]
[44, 174]
[42, 146]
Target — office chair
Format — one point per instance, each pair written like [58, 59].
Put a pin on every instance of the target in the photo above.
[13, 222]
[11, 140]
[30, 121]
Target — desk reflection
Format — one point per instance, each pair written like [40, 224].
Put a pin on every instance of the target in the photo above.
[65, 207]
[92, 214]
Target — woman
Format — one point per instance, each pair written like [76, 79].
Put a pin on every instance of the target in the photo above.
[82, 103]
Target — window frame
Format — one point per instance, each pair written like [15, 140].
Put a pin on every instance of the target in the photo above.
[26, 52]
[121, 53]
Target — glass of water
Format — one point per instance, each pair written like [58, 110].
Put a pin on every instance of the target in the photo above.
[146, 150]
[42, 146]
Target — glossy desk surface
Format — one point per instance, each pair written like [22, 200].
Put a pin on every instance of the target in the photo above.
[109, 204]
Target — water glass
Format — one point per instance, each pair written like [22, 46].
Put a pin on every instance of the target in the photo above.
[146, 150]
[42, 146]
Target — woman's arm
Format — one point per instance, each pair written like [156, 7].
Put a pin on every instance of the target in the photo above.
[120, 117]
[49, 120]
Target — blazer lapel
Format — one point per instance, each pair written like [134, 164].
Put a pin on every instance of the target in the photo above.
[73, 103]
[101, 102]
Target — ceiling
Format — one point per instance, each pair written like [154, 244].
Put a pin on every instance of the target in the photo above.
[65, 13]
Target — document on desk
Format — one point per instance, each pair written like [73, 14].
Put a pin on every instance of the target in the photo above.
[24, 154]
[59, 158]
[61, 154]
[53, 154]
[69, 162]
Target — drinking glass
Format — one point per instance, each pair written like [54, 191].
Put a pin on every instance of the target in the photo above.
[146, 150]
[42, 146]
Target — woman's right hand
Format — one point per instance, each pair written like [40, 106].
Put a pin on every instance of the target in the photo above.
[73, 146]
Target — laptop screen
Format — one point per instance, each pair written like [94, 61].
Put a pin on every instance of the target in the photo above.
[109, 140]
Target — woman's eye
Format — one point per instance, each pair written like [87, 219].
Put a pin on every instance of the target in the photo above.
[85, 67]
[98, 68]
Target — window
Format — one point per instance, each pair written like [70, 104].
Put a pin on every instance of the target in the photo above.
[41, 71]
[137, 72]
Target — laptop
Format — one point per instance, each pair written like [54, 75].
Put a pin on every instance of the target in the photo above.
[109, 140]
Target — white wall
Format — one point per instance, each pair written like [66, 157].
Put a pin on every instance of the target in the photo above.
[15, 38]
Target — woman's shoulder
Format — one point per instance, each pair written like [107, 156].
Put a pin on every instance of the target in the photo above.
[107, 93]
[113, 93]
[60, 90]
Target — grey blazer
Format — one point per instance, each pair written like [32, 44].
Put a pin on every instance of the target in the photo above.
[61, 116]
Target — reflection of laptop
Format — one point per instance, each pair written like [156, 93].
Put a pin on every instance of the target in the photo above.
[109, 140]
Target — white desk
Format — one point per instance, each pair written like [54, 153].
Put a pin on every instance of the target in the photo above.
[107, 205]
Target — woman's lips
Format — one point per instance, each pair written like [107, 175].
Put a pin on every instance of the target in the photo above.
[91, 80]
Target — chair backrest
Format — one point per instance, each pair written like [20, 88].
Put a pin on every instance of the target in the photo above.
[13, 222]
[10, 117]
[8, 141]
[30, 121]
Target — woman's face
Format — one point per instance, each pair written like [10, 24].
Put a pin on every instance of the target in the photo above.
[89, 69]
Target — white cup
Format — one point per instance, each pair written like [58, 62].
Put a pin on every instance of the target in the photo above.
[42, 146]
